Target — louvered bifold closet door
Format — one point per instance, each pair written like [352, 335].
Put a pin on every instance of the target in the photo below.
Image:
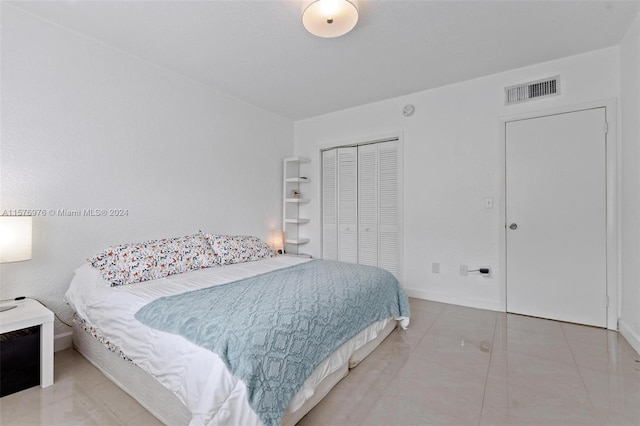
[329, 205]
[348, 204]
[368, 204]
[388, 207]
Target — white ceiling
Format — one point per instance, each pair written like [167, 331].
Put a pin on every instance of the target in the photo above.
[259, 51]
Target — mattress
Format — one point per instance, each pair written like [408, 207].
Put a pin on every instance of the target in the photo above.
[198, 378]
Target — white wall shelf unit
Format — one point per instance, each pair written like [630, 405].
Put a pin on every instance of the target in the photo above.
[292, 197]
[299, 221]
[297, 241]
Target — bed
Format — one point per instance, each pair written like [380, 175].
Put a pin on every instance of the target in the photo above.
[183, 380]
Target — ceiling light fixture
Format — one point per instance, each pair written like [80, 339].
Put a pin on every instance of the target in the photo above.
[330, 18]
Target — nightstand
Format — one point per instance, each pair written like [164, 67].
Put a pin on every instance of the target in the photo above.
[30, 313]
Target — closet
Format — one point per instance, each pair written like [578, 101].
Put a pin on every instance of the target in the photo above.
[361, 204]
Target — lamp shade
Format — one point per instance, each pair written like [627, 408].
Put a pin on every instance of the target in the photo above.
[15, 238]
[277, 241]
[330, 18]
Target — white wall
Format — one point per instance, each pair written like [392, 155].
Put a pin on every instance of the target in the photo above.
[86, 126]
[453, 159]
[630, 206]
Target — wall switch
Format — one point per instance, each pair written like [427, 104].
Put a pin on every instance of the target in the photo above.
[464, 270]
[488, 202]
[435, 267]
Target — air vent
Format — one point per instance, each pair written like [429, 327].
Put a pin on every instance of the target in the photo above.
[532, 90]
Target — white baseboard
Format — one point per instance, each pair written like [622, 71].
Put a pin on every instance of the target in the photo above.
[62, 341]
[628, 333]
[490, 305]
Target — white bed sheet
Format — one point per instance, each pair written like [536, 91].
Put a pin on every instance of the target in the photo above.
[197, 376]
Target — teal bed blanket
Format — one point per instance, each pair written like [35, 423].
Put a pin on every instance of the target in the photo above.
[274, 329]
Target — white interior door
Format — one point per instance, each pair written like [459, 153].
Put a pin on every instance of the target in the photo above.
[348, 204]
[389, 191]
[368, 204]
[329, 205]
[556, 217]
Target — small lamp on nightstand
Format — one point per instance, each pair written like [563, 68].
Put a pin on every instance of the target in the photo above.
[15, 241]
[277, 241]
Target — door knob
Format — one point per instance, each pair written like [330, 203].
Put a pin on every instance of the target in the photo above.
[513, 226]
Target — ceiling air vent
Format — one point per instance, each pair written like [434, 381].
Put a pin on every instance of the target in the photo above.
[532, 90]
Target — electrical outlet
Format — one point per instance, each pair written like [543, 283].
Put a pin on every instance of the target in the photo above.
[435, 267]
[464, 270]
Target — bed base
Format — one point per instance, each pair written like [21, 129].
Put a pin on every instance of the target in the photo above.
[166, 406]
[142, 387]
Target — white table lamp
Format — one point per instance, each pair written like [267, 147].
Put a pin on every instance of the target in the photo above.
[15, 241]
[277, 241]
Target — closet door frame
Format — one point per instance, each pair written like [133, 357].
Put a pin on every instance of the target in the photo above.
[395, 136]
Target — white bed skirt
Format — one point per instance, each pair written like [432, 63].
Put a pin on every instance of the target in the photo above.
[166, 406]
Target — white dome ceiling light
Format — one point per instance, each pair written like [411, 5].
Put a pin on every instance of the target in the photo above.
[330, 18]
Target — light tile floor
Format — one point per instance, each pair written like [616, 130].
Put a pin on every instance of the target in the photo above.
[454, 366]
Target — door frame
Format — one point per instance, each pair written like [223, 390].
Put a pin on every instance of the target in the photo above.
[612, 202]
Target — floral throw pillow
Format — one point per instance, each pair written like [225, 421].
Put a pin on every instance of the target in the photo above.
[238, 248]
[138, 262]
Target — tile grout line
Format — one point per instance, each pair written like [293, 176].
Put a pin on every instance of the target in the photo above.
[403, 365]
[486, 378]
[575, 362]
